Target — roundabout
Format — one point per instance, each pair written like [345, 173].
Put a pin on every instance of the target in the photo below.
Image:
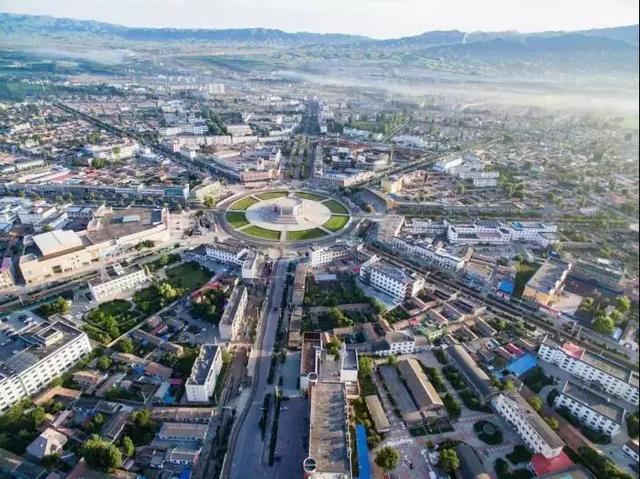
[287, 216]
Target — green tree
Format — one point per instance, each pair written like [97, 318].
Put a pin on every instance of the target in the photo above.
[209, 202]
[449, 460]
[128, 449]
[588, 304]
[388, 458]
[104, 363]
[603, 324]
[125, 345]
[365, 365]
[338, 317]
[536, 403]
[616, 316]
[623, 304]
[552, 422]
[392, 360]
[101, 455]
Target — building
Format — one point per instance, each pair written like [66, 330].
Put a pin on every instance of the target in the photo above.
[530, 426]
[310, 354]
[33, 353]
[120, 281]
[395, 282]
[482, 232]
[547, 282]
[48, 442]
[446, 166]
[380, 421]
[183, 414]
[7, 273]
[392, 184]
[329, 443]
[471, 466]
[225, 254]
[468, 367]
[232, 319]
[601, 272]
[202, 381]
[426, 254]
[631, 449]
[16, 467]
[321, 255]
[591, 408]
[109, 235]
[183, 432]
[395, 342]
[115, 151]
[533, 232]
[348, 365]
[609, 376]
[422, 391]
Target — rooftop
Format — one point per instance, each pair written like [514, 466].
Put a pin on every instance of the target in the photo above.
[546, 278]
[203, 363]
[328, 441]
[593, 400]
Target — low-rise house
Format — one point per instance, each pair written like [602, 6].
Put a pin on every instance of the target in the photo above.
[48, 442]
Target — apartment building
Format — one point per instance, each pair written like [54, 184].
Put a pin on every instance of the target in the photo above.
[394, 342]
[321, 255]
[233, 316]
[427, 227]
[591, 408]
[33, 352]
[202, 381]
[225, 254]
[610, 377]
[118, 281]
[114, 151]
[602, 272]
[395, 282]
[530, 426]
[547, 282]
[473, 374]
[109, 235]
[533, 232]
[486, 232]
[426, 254]
[7, 273]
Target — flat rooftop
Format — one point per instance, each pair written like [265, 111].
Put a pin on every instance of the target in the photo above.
[548, 275]
[593, 400]
[328, 439]
[118, 223]
[202, 365]
[232, 305]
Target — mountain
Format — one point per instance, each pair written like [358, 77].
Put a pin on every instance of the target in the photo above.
[14, 25]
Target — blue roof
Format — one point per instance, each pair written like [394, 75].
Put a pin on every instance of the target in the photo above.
[524, 363]
[364, 467]
[186, 473]
[507, 286]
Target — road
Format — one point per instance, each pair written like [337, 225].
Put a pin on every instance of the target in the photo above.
[245, 443]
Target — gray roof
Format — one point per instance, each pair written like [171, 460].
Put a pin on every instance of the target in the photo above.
[537, 422]
[593, 400]
[470, 369]
[422, 391]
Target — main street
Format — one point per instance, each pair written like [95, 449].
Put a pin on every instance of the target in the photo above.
[245, 452]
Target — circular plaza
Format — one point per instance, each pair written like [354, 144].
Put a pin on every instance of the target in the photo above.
[287, 216]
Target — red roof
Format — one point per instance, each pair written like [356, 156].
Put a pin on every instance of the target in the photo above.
[541, 465]
[573, 350]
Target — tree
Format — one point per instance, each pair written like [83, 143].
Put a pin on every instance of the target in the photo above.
[366, 365]
[128, 449]
[57, 306]
[588, 304]
[508, 386]
[449, 460]
[209, 201]
[552, 422]
[388, 458]
[334, 346]
[623, 304]
[392, 360]
[603, 324]
[104, 363]
[338, 318]
[616, 316]
[536, 403]
[101, 455]
[125, 345]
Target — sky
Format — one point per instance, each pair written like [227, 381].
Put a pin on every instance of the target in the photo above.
[374, 18]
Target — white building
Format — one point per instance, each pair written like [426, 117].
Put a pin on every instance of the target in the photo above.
[348, 365]
[631, 449]
[396, 343]
[233, 316]
[7, 273]
[534, 431]
[223, 254]
[591, 408]
[478, 233]
[48, 442]
[202, 381]
[33, 352]
[251, 266]
[426, 227]
[36, 213]
[611, 377]
[445, 166]
[320, 255]
[114, 151]
[533, 232]
[120, 282]
[426, 254]
[395, 282]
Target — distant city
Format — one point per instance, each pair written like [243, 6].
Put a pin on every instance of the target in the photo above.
[254, 254]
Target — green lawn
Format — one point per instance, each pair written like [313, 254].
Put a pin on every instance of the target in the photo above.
[243, 203]
[188, 276]
[110, 320]
[237, 219]
[263, 233]
[336, 222]
[269, 195]
[310, 196]
[336, 207]
[305, 234]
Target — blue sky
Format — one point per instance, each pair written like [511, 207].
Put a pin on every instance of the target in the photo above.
[376, 18]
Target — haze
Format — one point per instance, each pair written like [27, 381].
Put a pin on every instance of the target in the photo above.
[375, 18]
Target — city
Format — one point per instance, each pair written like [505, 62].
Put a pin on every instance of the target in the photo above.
[248, 253]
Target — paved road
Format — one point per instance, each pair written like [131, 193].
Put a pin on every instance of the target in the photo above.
[246, 448]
